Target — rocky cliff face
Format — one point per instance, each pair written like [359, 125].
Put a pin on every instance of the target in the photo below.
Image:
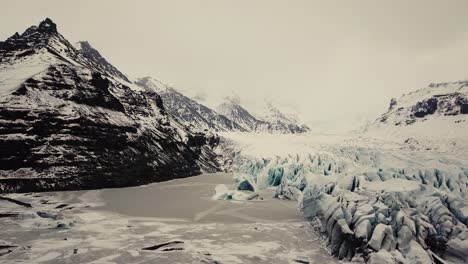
[69, 120]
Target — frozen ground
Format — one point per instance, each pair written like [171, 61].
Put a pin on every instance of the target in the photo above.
[169, 222]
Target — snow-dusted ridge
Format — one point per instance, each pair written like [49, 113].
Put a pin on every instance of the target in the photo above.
[97, 60]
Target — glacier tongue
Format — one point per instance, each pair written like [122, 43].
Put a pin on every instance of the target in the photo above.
[377, 200]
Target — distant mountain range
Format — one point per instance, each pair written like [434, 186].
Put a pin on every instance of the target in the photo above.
[228, 116]
[187, 110]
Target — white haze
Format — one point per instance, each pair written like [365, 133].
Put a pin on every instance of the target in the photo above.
[337, 63]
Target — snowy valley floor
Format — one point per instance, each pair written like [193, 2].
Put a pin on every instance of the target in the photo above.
[168, 222]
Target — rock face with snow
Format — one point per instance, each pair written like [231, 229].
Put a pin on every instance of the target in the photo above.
[70, 120]
[436, 101]
[428, 112]
[188, 111]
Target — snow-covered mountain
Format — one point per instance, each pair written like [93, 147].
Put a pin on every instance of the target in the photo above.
[272, 121]
[70, 120]
[439, 110]
[279, 120]
[228, 116]
[187, 110]
[239, 115]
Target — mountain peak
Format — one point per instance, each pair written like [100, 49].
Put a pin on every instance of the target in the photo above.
[47, 26]
[31, 40]
[84, 45]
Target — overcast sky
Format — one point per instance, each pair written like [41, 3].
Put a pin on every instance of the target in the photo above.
[330, 60]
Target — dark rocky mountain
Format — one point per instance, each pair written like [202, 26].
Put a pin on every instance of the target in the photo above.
[187, 110]
[69, 120]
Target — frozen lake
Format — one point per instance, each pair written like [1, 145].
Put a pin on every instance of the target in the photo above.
[168, 222]
[189, 199]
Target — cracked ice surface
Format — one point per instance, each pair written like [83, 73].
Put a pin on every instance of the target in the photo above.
[377, 201]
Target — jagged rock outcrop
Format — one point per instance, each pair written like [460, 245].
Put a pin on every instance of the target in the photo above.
[70, 120]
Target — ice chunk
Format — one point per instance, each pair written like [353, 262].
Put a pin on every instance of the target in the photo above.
[382, 238]
[363, 230]
[223, 193]
[245, 182]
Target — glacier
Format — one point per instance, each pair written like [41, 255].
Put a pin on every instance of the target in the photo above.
[376, 201]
